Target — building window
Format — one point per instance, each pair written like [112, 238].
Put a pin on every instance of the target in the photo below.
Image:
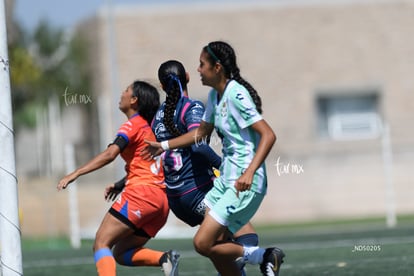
[349, 117]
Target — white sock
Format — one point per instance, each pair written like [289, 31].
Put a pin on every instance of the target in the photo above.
[253, 255]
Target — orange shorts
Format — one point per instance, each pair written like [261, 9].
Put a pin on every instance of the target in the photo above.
[144, 208]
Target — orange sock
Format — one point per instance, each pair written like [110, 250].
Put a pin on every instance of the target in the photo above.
[105, 262]
[143, 257]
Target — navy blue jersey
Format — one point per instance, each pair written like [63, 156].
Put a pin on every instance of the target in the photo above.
[189, 168]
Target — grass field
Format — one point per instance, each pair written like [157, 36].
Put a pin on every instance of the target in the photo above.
[336, 248]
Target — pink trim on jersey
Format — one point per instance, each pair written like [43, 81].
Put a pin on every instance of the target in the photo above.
[183, 111]
[195, 188]
[193, 125]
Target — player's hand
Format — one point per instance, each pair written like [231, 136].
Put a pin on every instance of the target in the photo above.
[244, 183]
[111, 191]
[64, 182]
[153, 149]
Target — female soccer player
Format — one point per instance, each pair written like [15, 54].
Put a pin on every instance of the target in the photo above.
[234, 109]
[188, 171]
[142, 207]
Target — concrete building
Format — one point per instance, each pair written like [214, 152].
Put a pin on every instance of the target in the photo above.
[333, 77]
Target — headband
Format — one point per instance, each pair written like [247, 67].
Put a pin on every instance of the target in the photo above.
[211, 53]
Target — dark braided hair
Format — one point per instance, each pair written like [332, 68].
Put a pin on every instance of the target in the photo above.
[173, 79]
[223, 53]
[148, 99]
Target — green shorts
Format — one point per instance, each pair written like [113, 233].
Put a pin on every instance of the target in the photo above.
[228, 209]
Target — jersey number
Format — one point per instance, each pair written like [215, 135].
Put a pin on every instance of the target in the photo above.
[178, 161]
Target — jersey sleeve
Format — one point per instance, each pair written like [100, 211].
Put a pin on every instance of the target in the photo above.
[127, 131]
[243, 108]
[193, 115]
[208, 115]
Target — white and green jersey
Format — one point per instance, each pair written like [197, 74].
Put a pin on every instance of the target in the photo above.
[232, 116]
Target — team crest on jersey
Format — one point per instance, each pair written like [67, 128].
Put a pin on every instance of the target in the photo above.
[159, 129]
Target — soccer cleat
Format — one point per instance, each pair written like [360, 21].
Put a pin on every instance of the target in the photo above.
[272, 260]
[170, 265]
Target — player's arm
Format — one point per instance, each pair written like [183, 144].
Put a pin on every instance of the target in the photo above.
[102, 159]
[197, 135]
[267, 140]
[193, 117]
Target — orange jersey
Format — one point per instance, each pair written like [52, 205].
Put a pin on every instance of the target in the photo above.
[139, 171]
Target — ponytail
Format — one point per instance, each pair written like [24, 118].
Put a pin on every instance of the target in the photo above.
[173, 96]
[173, 78]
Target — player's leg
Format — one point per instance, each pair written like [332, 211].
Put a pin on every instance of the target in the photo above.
[235, 211]
[147, 212]
[269, 259]
[247, 235]
[213, 233]
[109, 232]
[130, 251]
[222, 254]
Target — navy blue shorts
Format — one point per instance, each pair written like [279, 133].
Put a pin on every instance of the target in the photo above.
[189, 206]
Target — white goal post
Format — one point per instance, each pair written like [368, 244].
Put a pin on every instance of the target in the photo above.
[10, 243]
